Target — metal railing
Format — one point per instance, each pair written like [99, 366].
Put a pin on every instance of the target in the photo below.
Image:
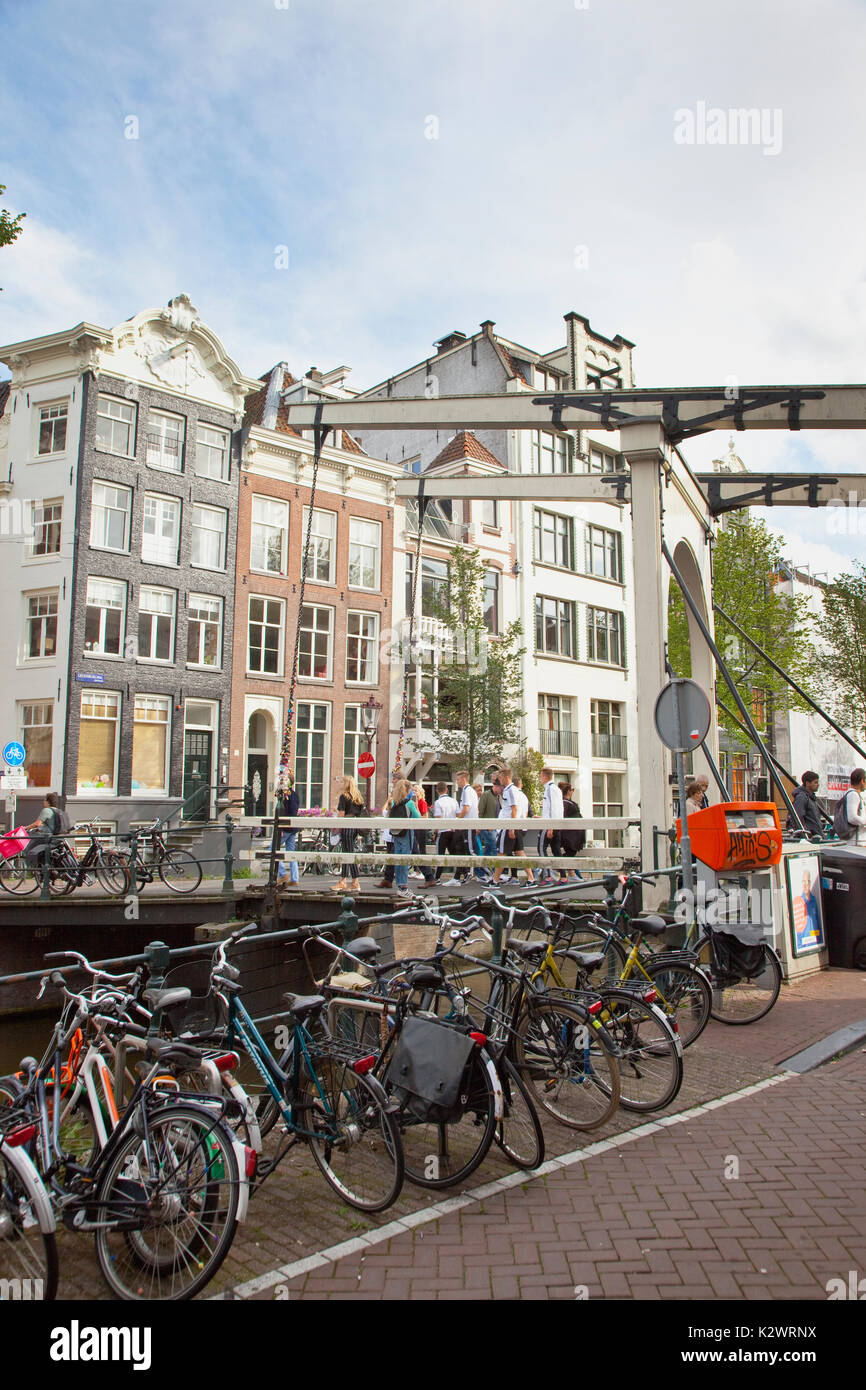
[558, 741]
[609, 745]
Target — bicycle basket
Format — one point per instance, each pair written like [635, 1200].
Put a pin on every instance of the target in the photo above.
[735, 959]
[201, 1013]
[429, 1071]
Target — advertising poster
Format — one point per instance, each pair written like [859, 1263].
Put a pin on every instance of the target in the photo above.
[804, 902]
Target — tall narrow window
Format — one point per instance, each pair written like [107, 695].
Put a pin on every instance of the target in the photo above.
[97, 741]
[165, 439]
[605, 636]
[115, 426]
[209, 537]
[103, 617]
[555, 627]
[46, 518]
[362, 637]
[156, 609]
[212, 452]
[265, 656]
[204, 627]
[603, 552]
[312, 753]
[53, 420]
[160, 534]
[491, 600]
[110, 510]
[365, 551]
[150, 744]
[40, 626]
[36, 725]
[269, 535]
[317, 631]
[322, 559]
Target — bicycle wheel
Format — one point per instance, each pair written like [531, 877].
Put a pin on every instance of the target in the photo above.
[442, 1155]
[650, 1055]
[354, 1140]
[112, 871]
[17, 876]
[740, 1000]
[518, 1134]
[590, 939]
[28, 1246]
[175, 1197]
[62, 876]
[570, 1072]
[683, 994]
[180, 871]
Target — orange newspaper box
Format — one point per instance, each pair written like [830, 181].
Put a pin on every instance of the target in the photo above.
[739, 835]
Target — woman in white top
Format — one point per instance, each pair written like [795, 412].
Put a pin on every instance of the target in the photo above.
[854, 806]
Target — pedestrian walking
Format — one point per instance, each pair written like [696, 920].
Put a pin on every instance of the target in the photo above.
[806, 805]
[444, 808]
[287, 870]
[351, 803]
[402, 798]
[572, 841]
[550, 841]
[513, 805]
[703, 782]
[461, 840]
[420, 836]
[693, 798]
[485, 840]
[387, 879]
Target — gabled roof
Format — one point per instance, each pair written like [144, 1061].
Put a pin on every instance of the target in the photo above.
[463, 446]
[267, 409]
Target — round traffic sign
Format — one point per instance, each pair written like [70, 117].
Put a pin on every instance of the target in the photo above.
[14, 754]
[366, 765]
[694, 711]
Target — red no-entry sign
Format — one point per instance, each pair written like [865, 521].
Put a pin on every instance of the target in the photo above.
[366, 765]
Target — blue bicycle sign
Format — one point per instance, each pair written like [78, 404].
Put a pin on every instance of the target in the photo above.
[14, 754]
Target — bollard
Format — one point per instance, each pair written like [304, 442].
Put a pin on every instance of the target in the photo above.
[157, 958]
[228, 883]
[348, 919]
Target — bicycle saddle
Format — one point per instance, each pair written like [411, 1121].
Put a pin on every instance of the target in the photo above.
[651, 925]
[363, 946]
[426, 977]
[584, 959]
[173, 1053]
[527, 949]
[167, 998]
[304, 1005]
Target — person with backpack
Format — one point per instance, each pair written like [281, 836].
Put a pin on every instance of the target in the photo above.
[806, 805]
[401, 809]
[572, 841]
[50, 821]
[849, 822]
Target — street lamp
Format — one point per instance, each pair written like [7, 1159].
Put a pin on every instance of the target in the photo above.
[370, 712]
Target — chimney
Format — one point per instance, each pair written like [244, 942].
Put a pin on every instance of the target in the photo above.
[487, 327]
[314, 374]
[450, 340]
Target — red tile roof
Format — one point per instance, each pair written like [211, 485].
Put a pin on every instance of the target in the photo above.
[464, 445]
[255, 409]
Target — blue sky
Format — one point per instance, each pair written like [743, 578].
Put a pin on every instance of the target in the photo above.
[306, 126]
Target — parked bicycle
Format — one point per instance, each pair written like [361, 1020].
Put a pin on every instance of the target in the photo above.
[66, 870]
[177, 868]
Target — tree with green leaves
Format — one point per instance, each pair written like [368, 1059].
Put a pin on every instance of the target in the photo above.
[747, 565]
[841, 659]
[10, 227]
[480, 687]
[527, 765]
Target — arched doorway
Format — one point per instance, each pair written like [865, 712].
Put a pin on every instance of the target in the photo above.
[259, 747]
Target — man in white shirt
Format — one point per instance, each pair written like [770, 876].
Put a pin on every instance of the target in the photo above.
[854, 806]
[444, 808]
[463, 842]
[513, 805]
[551, 809]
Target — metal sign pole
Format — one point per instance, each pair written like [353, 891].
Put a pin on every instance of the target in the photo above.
[685, 842]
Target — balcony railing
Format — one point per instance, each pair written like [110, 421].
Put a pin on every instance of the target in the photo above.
[163, 451]
[559, 741]
[436, 524]
[609, 746]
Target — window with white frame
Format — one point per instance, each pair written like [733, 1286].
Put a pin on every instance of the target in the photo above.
[104, 617]
[40, 625]
[151, 739]
[110, 512]
[212, 447]
[354, 740]
[603, 460]
[605, 636]
[53, 420]
[160, 530]
[115, 426]
[97, 741]
[603, 552]
[265, 632]
[156, 610]
[555, 626]
[322, 559]
[166, 436]
[608, 801]
[45, 518]
[312, 752]
[606, 724]
[365, 552]
[204, 630]
[209, 537]
[317, 636]
[551, 453]
[490, 513]
[36, 726]
[362, 648]
[269, 535]
[554, 539]
[490, 600]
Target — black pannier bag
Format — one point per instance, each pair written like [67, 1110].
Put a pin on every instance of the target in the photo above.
[430, 1070]
[735, 958]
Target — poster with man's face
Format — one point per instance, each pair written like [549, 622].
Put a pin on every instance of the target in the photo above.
[804, 899]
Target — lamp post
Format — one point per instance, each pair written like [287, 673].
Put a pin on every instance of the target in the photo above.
[370, 712]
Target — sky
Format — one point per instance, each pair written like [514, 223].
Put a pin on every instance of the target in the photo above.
[335, 182]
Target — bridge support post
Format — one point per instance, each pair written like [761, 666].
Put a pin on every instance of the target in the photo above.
[228, 883]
